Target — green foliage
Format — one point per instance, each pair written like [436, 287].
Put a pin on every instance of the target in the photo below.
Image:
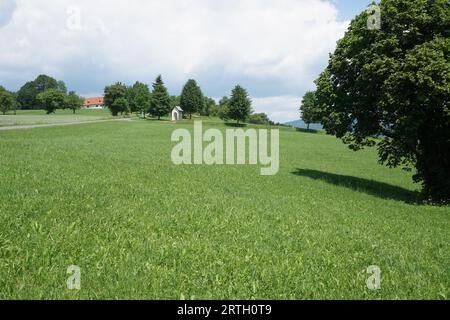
[6, 100]
[240, 105]
[139, 98]
[393, 83]
[224, 101]
[73, 101]
[192, 100]
[259, 118]
[174, 101]
[113, 93]
[44, 83]
[160, 100]
[214, 111]
[310, 109]
[224, 112]
[27, 95]
[223, 109]
[51, 99]
[61, 85]
[209, 107]
[122, 105]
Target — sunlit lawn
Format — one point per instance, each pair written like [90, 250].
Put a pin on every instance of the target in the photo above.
[106, 197]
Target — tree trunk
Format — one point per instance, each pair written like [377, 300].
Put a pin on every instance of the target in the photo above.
[73, 111]
[308, 127]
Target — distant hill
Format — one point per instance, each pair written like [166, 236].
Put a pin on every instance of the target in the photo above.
[302, 125]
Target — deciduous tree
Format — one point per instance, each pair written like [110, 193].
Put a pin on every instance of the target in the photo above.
[390, 88]
[310, 110]
[27, 95]
[139, 98]
[73, 101]
[6, 100]
[50, 100]
[112, 93]
[259, 118]
[61, 85]
[192, 100]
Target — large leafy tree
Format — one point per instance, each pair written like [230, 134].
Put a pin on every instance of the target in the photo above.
[240, 105]
[139, 98]
[192, 99]
[51, 99]
[6, 100]
[73, 101]
[310, 110]
[27, 95]
[259, 118]
[113, 93]
[224, 101]
[390, 87]
[160, 100]
[44, 82]
[121, 104]
[209, 107]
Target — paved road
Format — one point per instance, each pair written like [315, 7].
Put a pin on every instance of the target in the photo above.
[32, 126]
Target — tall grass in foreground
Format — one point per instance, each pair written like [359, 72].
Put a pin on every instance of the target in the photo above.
[107, 198]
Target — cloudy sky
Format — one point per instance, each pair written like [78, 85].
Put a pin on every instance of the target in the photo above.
[274, 48]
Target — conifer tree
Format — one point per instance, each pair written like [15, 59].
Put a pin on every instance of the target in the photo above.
[160, 100]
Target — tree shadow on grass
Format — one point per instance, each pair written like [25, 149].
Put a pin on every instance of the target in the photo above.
[156, 119]
[371, 187]
[306, 130]
[236, 125]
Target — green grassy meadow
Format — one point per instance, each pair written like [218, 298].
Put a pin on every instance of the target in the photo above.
[31, 117]
[106, 197]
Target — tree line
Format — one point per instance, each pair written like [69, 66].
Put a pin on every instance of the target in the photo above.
[50, 94]
[44, 92]
[139, 99]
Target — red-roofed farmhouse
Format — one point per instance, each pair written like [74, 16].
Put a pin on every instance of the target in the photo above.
[94, 103]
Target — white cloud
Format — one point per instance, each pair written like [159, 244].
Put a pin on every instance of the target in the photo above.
[280, 108]
[279, 44]
[7, 7]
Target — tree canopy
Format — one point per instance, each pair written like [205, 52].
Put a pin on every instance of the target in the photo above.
[6, 100]
[73, 101]
[139, 98]
[113, 93]
[160, 100]
[192, 99]
[390, 88]
[259, 118]
[61, 85]
[310, 110]
[240, 105]
[50, 100]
